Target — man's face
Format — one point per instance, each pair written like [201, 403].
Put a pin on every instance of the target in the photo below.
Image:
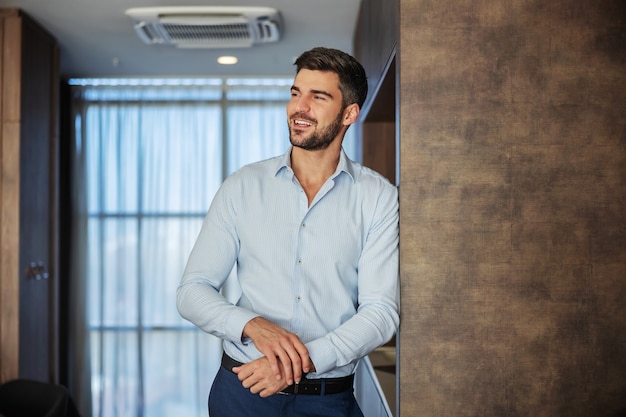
[315, 112]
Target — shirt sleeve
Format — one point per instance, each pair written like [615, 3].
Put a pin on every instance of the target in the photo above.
[210, 263]
[377, 317]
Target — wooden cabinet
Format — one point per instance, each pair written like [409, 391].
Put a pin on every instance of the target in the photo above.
[375, 47]
[28, 211]
[376, 38]
[379, 126]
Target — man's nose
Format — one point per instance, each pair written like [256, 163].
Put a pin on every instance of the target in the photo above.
[303, 104]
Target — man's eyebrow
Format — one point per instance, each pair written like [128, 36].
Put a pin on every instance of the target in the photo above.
[321, 92]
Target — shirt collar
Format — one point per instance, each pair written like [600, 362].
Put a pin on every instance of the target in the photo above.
[345, 164]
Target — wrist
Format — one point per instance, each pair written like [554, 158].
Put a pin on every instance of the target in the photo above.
[248, 328]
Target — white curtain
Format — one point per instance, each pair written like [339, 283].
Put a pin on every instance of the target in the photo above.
[148, 157]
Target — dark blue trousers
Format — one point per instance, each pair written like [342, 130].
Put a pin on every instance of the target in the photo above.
[228, 398]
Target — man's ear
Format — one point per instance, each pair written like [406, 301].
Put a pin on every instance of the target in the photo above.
[350, 114]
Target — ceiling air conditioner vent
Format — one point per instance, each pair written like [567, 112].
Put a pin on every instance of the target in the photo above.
[206, 26]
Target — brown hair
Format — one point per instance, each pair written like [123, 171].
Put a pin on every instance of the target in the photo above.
[352, 77]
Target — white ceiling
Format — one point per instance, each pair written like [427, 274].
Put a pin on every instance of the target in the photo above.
[96, 38]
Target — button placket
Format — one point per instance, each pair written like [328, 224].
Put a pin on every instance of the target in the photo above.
[298, 273]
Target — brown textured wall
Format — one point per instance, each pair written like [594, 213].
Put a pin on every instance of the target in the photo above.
[513, 208]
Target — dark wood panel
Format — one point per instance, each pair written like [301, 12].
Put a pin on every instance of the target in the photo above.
[11, 75]
[36, 301]
[10, 192]
[376, 37]
[379, 150]
[29, 141]
[375, 48]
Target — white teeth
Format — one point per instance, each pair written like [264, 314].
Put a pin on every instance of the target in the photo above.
[302, 123]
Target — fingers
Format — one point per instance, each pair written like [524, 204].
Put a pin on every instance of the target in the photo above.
[273, 362]
[305, 359]
[300, 360]
[264, 389]
[284, 364]
[258, 378]
[288, 357]
[293, 357]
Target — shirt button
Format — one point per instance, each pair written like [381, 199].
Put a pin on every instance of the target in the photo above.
[299, 261]
[303, 224]
[298, 298]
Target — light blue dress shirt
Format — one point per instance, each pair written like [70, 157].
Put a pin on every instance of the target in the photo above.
[327, 272]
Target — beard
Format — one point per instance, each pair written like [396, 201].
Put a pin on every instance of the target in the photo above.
[318, 140]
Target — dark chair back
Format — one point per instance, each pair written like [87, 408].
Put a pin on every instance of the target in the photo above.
[27, 398]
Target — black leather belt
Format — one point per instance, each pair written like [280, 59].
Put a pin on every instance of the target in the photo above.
[322, 386]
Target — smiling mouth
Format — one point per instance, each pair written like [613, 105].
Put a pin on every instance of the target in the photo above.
[302, 123]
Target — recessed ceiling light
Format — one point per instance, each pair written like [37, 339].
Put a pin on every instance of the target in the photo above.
[227, 60]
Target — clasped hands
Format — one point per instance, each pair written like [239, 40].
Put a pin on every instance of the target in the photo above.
[285, 359]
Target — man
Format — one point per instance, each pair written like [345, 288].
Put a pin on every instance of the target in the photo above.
[314, 237]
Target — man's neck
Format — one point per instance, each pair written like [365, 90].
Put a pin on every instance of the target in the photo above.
[312, 165]
[313, 168]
